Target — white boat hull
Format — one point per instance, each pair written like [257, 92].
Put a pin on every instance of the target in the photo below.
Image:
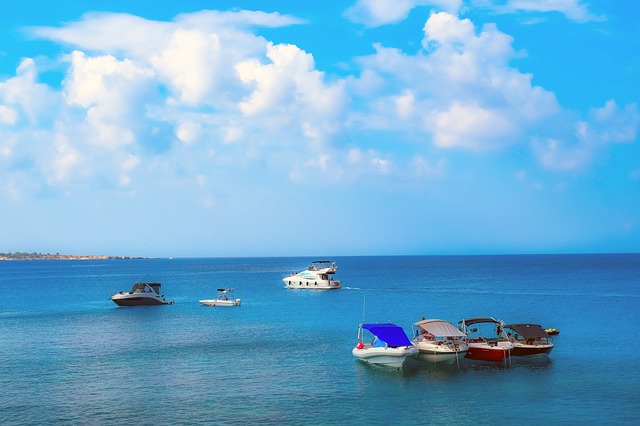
[138, 299]
[295, 282]
[440, 353]
[220, 302]
[389, 357]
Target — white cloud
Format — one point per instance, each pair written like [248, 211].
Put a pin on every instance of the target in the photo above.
[135, 37]
[23, 96]
[575, 10]
[290, 91]
[189, 64]
[601, 128]
[200, 74]
[405, 104]
[110, 91]
[557, 155]
[189, 131]
[373, 13]
[133, 88]
[611, 124]
[8, 115]
[472, 126]
[65, 161]
[460, 92]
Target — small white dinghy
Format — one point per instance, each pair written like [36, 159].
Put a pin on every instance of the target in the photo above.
[390, 345]
[222, 299]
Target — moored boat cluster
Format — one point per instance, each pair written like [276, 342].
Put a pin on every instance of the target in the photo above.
[439, 341]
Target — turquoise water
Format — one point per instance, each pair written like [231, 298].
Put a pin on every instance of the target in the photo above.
[69, 355]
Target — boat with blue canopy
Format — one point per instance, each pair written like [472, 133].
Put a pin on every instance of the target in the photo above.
[390, 345]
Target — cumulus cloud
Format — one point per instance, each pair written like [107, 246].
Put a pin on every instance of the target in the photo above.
[187, 64]
[134, 88]
[460, 92]
[288, 89]
[23, 96]
[110, 91]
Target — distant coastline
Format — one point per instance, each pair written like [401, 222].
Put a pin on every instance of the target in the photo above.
[58, 256]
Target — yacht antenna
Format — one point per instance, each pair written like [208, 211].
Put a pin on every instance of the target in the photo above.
[364, 303]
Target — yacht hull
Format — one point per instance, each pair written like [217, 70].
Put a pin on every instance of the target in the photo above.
[295, 282]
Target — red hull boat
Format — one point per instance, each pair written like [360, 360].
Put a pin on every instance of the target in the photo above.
[484, 351]
[486, 339]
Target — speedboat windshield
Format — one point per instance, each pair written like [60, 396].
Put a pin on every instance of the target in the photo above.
[146, 288]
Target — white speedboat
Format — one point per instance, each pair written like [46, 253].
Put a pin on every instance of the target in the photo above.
[529, 340]
[222, 299]
[142, 294]
[390, 345]
[486, 339]
[439, 341]
[319, 276]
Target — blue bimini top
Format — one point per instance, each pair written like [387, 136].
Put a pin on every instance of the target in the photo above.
[391, 334]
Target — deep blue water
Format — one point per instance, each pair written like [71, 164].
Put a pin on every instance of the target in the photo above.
[69, 355]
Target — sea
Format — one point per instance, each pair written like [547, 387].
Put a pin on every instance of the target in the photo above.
[69, 355]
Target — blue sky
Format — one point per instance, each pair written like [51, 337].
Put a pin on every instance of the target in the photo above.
[276, 128]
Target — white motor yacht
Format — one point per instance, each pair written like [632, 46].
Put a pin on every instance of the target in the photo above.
[439, 341]
[319, 276]
[222, 299]
[389, 347]
[142, 294]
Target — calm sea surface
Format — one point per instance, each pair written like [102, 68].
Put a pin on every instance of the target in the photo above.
[68, 355]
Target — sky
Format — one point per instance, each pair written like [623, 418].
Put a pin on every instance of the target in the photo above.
[287, 128]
